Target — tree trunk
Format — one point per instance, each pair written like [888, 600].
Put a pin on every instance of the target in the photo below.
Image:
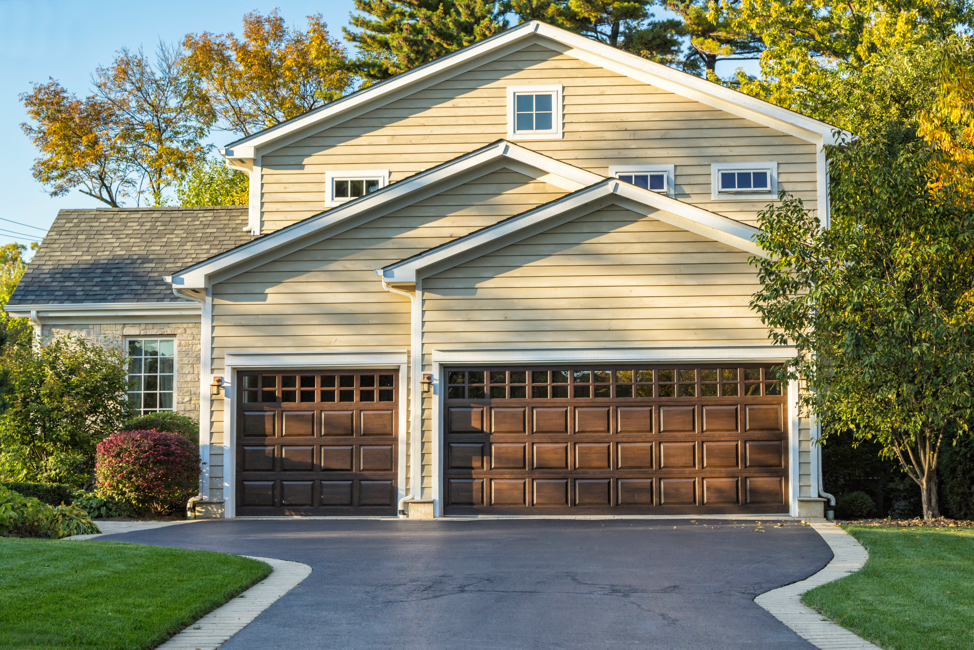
[928, 493]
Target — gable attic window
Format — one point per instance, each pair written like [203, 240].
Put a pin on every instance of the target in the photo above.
[152, 374]
[533, 112]
[655, 178]
[743, 181]
[342, 187]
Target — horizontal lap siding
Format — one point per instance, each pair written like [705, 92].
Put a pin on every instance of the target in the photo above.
[612, 277]
[328, 297]
[609, 119]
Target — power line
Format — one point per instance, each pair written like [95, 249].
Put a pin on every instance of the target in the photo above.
[20, 234]
[23, 224]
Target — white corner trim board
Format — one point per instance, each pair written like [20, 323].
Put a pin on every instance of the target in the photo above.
[785, 603]
[214, 629]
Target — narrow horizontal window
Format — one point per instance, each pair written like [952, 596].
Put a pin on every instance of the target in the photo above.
[655, 181]
[342, 187]
[744, 180]
[749, 181]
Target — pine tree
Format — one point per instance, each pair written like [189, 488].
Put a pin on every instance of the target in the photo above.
[394, 36]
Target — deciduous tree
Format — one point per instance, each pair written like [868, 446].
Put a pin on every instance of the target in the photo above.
[211, 182]
[272, 74]
[14, 332]
[161, 119]
[880, 305]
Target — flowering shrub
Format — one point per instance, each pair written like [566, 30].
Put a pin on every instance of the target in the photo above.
[22, 516]
[154, 471]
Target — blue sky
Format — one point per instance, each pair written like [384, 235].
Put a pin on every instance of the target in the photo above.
[67, 40]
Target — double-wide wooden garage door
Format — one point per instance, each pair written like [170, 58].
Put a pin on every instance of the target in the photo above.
[603, 440]
[317, 443]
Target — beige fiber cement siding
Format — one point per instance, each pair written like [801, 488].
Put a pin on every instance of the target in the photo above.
[328, 297]
[612, 277]
[609, 119]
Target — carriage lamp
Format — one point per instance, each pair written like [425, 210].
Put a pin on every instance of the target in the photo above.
[216, 386]
[427, 382]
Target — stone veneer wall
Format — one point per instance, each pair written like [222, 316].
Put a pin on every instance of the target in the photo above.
[187, 337]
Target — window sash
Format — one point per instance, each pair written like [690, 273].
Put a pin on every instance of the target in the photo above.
[534, 112]
[349, 188]
[151, 374]
[744, 181]
[652, 181]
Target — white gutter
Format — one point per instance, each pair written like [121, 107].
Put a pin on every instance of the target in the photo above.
[109, 308]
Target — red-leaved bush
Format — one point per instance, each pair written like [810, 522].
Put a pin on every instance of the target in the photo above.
[154, 471]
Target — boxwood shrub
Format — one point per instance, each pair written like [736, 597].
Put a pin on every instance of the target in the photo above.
[52, 495]
[167, 421]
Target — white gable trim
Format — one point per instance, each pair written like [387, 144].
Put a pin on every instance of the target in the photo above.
[681, 83]
[375, 205]
[482, 242]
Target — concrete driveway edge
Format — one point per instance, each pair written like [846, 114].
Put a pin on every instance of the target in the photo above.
[214, 629]
[785, 603]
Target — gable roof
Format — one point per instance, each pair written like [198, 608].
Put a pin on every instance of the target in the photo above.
[120, 255]
[567, 208]
[656, 74]
[376, 204]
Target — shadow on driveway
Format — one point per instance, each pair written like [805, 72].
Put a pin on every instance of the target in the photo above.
[516, 584]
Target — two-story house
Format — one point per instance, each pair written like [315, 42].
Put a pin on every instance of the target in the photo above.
[512, 281]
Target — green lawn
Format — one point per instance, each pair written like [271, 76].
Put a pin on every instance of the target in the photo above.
[66, 594]
[915, 592]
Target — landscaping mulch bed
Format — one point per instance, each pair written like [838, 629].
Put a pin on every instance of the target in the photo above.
[940, 522]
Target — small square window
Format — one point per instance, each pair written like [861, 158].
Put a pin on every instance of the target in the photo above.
[534, 112]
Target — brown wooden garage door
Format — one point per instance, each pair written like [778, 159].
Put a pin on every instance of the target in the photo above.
[664, 439]
[317, 443]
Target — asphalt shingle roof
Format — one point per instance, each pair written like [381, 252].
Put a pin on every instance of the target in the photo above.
[121, 255]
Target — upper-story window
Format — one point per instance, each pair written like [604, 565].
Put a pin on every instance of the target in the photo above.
[152, 374]
[744, 180]
[534, 112]
[342, 187]
[656, 178]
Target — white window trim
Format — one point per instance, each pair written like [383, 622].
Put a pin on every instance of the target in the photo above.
[744, 353]
[175, 367]
[648, 169]
[237, 361]
[382, 175]
[716, 168]
[556, 115]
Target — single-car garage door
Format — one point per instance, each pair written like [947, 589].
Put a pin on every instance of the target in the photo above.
[603, 440]
[317, 443]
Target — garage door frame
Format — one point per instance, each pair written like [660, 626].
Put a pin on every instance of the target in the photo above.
[589, 356]
[240, 362]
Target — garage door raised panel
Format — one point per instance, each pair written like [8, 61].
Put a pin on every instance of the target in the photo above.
[317, 442]
[615, 439]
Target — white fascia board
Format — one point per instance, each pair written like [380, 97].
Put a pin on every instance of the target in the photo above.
[671, 211]
[104, 309]
[681, 83]
[663, 354]
[196, 277]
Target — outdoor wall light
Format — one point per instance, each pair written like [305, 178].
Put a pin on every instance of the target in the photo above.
[427, 382]
[216, 386]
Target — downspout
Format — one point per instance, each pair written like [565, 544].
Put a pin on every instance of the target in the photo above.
[413, 387]
[821, 491]
[38, 329]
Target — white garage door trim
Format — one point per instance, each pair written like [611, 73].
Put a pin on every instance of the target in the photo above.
[256, 360]
[552, 355]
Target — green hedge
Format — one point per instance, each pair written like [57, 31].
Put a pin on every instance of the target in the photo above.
[168, 422]
[52, 495]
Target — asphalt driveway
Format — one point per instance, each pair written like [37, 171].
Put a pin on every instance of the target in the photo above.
[518, 584]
